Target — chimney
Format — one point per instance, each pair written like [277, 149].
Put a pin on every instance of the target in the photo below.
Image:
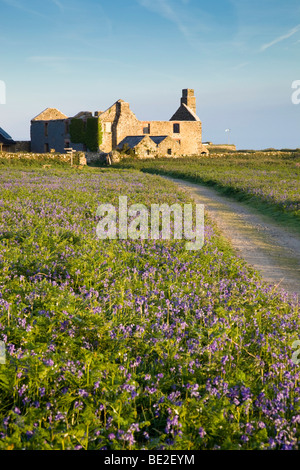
[189, 99]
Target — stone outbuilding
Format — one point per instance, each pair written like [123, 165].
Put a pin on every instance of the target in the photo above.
[6, 141]
[166, 146]
[48, 131]
[141, 145]
[147, 146]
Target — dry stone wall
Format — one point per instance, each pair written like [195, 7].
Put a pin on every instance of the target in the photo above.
[78, 158]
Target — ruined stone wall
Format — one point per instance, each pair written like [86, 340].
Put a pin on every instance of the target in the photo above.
[189, 135]
[169, 148]
[95, 157]
[107, 137]
[127, 123]
[117, 123]
[108, 121]
[21, 146]
[43, 138]
[221, 148]
[78, 159]
[146, 148]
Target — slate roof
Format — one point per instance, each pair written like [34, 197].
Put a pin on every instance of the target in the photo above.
[5, 138]
[157, 139]
[132, 141]
[184, 113]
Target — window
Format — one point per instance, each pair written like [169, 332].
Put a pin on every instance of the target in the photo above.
[148, 152]
[176, 128]
[108, 127]
[146, 129]
[169, 151]
[46, 129]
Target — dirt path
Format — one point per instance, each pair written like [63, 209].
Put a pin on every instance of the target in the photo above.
[270, 248]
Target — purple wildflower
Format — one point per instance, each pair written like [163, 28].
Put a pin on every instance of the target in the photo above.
[48, 362]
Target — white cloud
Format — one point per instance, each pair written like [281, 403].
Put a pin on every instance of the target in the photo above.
[197, 23]
[165, 9]
[58, 61]
[47, 58]
[281, 38]
[58, 4]
[240, 66]
[177, 13]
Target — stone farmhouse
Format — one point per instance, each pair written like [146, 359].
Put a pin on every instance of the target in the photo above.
[118, 129]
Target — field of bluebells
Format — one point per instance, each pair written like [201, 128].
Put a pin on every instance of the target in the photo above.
[133, 344]
[260, 177]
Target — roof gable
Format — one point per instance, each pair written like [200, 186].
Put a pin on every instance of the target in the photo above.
[157, 139]
[5, 138]
[49, 114]
[131, 141]
[83, 114]
[110, 113]
[184, 113]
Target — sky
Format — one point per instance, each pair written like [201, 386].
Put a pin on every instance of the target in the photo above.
[240, 56]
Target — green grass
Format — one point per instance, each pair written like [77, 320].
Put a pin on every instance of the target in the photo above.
[269, 182]
[133, 344]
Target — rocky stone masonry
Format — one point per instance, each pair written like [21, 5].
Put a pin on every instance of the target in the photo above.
[221, 147]
[79, 158]
[21, 146]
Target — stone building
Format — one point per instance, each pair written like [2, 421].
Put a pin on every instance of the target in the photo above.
[48, 131]
[120, 129]
[6, 142]
[147, 146]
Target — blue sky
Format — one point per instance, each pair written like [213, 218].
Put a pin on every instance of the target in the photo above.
[240, 57]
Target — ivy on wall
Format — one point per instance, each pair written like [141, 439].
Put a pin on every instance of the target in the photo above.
[77, 131]
[93, 134]
[87, 132]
